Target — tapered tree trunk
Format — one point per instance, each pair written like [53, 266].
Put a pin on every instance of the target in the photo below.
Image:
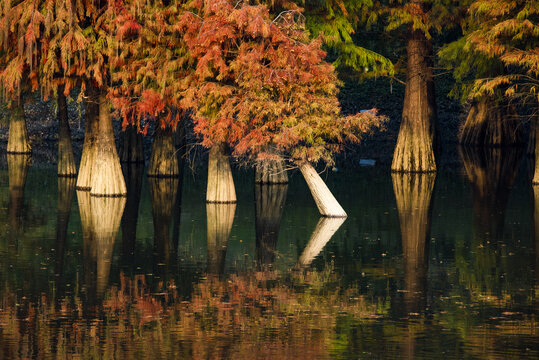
[417, 140]
[413, 193]
[220, 218]
[18, 142]
[490, 124]
[163, 192]
[66, 160]
[164, 159]
[133, 174]
[220, 182]
[269, 205]
[324, 231]
[107, 178]
[131, 146]
[66, 190]
[271, 171]
[89, 148]
[324, 199]
[18, 165]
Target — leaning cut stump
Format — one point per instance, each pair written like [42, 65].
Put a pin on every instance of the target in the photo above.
[324, 199]
[18, 142]
[220, 187]
[107, 178]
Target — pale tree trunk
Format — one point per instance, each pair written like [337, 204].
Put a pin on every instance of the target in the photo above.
[271, 171]
[220, 182]
[163, 193]
[66, 160]
[413, 193]
[269, 205]
[131, 146]
[490, 124]
[107, 178]
[417, 140]
[220, 218]
[164, 159]
[66, 190]
[324, 199]
[324, 231]
[91, 130]
[133, 174]
[18, 142]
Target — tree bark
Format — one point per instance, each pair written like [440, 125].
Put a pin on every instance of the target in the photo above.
[324, 199]
[490, 124]
[271, 171]
[131, 146]
[18, 142]
[417, 143]
[220, 187]
[269, 205]
[413, 193]
[107, 178]
[220, 218]
[164, 159]
[66, 160]
[91, 130]
[324, 231]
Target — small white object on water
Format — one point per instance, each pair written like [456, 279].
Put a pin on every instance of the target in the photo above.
[367, 162]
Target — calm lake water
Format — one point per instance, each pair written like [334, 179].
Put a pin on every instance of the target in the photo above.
[423, 267]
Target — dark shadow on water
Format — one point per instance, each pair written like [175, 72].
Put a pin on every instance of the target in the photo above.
[133, 175]
[66, 191]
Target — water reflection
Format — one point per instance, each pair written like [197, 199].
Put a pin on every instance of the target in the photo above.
[18, 165]
[133, 175]
[66, 191]
[269, 204]
[219, 219]
[324, 231]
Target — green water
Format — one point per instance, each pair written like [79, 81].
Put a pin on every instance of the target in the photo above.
[423, 267]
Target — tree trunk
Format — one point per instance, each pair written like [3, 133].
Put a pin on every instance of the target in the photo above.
[91, 130]
[18, 142]
[490, 124]
[324, 199]
[18, 165]
[324, 231]
[271, 171]
[164, 159]
[66, 190]
[535, 179]
[417, 140]
[269, 204]
[220, 218]
[220, 182]
[163, 192]
[107, 177]
[131, 147]
[133, 174]
[413, 193]
[66, 160]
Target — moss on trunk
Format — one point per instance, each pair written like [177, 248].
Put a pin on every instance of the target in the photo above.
[417, 141]
[164, 159]
[18, 142]
[66, 160]
[413, 193]
[490, 124]
[131, 146]
[107, 178]
[220, 187]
